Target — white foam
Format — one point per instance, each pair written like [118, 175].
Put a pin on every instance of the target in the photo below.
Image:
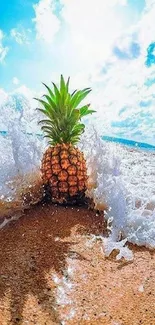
[21, 152]
[120, 178]
[141, 288]
[124, 180]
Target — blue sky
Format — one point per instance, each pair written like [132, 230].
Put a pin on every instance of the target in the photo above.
[14, 12]
[109, 45]
[31, 60]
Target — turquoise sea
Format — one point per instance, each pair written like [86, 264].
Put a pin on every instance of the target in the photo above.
[126, 142]
[130, 143]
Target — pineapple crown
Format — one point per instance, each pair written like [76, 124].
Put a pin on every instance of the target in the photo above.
[63, 123]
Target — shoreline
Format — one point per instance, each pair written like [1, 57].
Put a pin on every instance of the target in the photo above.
[29, 186]
[54, 271]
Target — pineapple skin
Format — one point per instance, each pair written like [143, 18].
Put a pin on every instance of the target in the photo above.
[64, 173]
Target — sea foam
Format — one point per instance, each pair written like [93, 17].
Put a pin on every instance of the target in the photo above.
[124, 180]
[121, 179]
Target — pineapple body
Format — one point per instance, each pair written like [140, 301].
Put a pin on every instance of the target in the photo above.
[63, 165]
[64, 173]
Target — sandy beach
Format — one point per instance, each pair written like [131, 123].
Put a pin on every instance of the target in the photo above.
[53, 271]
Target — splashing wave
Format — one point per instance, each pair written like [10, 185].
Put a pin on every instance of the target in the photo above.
[119, 177]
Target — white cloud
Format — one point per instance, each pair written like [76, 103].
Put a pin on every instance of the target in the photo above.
[15, 81]
[119, 86]
[47, 24]
[123, 2]
[94, 26]
[149, 3]
[20, 35]
[90, 31]
[146, 27]
[24, 90]
[118, 98]
[3, 50]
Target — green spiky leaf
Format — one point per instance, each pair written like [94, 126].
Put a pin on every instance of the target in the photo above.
[63, 112]
[50, 91]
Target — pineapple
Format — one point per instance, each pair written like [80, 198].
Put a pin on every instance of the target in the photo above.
[63, 166]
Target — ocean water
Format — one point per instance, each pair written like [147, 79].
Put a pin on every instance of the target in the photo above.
[125, 142]
[130, 143]
[124, 179]
[121, 175]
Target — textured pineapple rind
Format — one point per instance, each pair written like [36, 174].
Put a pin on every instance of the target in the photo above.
[64, 172]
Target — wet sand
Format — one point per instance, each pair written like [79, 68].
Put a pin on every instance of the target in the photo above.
[53, 271]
